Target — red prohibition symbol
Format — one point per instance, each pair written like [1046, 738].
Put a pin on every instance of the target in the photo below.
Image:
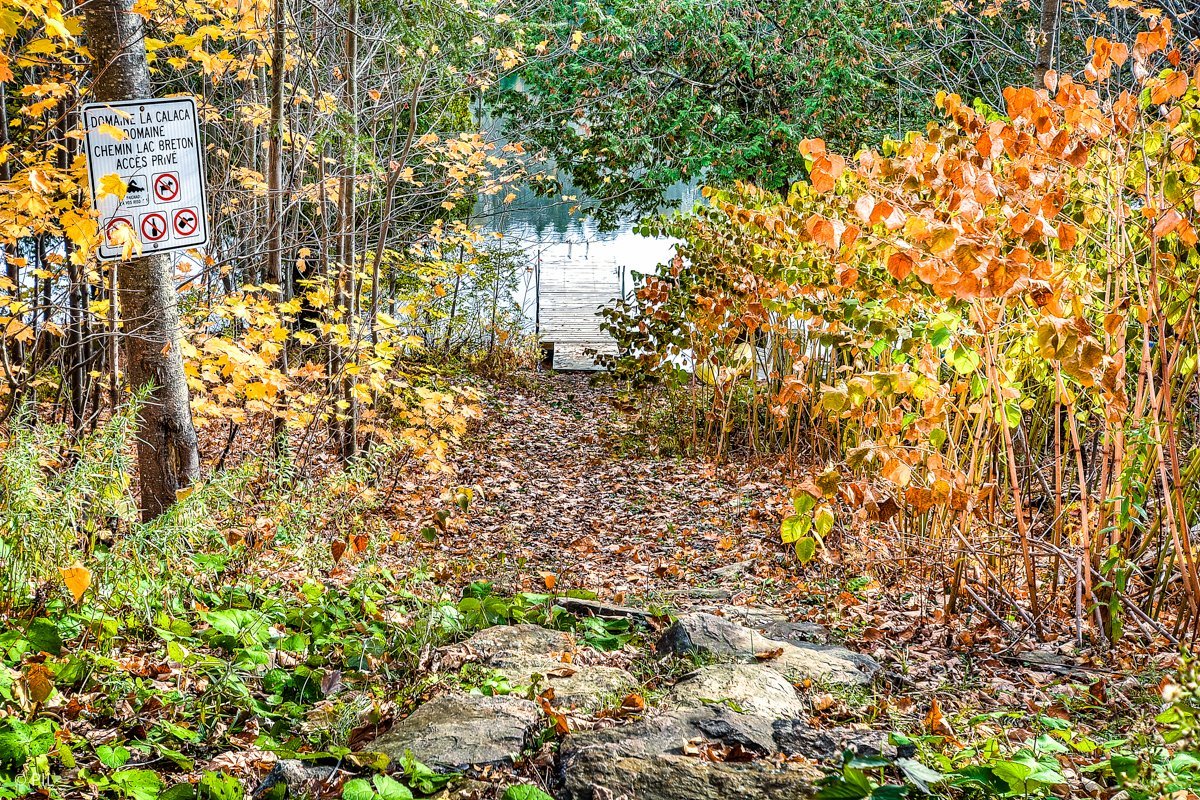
[154, 226]
[114, 224]
[166, 186]
[185, 221]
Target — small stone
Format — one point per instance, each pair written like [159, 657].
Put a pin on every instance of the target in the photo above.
[743, 687]
[710, 635]
[733, 571]
[455, 733]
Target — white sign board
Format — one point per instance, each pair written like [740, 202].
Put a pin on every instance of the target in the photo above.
[154, 146]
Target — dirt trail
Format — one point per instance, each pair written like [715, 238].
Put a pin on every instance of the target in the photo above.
[561, 501]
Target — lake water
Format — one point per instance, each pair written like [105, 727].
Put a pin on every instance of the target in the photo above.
[569, 252]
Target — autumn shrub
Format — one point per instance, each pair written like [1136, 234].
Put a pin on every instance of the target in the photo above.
[990, 324]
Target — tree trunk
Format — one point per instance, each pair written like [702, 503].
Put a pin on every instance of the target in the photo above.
[347, 227]
[1047, 37]
[275, 273]
[167, 456]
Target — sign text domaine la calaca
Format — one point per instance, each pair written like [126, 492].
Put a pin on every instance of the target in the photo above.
[154, 146]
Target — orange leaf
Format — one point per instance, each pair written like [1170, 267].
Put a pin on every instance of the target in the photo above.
[337, 548]
[1167, 223]
[38, 685]
[550, 579]
[936, 723]
[900, 265]
[633, 702]
[561, 726]
[812, 148]
[77, 579]
[1066, 235]
[821, 230]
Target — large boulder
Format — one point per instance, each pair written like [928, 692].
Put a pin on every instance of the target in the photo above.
[529, 654]
[742, 687]
[717, 637]
[455, 733]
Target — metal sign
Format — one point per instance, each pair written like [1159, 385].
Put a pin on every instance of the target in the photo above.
[154, 146]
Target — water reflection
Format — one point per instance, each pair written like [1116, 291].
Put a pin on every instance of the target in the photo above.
[565, 251]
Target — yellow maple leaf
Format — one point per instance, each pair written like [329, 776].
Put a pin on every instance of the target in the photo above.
[112, 130]
[15, 329]
[58, 27]
[259, 391]
[113, 184]
[79, 228]
[124, 237]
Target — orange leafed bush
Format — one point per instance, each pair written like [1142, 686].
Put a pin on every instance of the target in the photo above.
[992, 321]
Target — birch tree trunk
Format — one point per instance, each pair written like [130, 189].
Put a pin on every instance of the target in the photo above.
[166, 441]
[1046, 40]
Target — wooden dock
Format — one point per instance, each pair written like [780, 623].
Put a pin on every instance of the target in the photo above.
[568, 320]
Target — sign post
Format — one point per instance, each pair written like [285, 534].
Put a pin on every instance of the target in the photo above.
[154, 146]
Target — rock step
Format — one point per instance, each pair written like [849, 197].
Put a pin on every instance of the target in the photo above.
[717, 637]
[676, 756]
[456, 733]
[727, 729]
[529, 655]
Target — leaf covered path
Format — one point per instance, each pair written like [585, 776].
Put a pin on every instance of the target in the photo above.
[568, 507]
[563, 504]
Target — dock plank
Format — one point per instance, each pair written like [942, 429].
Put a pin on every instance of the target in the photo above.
[569, 320]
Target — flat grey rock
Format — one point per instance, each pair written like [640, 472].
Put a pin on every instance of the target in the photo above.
[654, 758]
[718, 637]
[795, 737]
[585, 687]
[529, 655]
[743, 687]
[773, 623]
[647, 760]
[455, 733]
[500, 642]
